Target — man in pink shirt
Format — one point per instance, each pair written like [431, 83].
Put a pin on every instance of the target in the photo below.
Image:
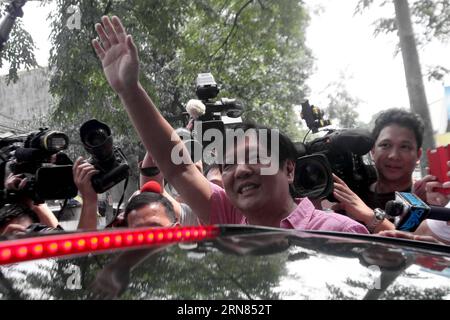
[257, 187]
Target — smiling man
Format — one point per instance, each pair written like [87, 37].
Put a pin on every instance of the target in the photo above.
[398, 138]
[251, 195]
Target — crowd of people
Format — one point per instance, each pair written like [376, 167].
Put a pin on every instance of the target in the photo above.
[238, 192]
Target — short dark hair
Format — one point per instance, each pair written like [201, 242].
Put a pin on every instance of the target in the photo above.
[402, 118]
[17, 210]
[287, 149]
[146, 198]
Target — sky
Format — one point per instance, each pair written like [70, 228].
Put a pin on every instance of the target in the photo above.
[344, 47]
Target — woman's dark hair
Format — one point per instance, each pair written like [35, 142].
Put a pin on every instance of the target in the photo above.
[402, 118]
[146, 198]
[12, 211]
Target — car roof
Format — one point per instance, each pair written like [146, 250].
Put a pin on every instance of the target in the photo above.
[235, 262]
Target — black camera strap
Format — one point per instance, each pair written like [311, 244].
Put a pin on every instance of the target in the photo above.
[120, 201]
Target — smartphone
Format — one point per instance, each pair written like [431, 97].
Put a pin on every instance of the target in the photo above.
[437, 162]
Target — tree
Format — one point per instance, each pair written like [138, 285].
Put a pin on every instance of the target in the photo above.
[255, 50]
[428, 14]
[342, 106]
[18, 50]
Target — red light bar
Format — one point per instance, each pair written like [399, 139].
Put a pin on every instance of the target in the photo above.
[12, 251]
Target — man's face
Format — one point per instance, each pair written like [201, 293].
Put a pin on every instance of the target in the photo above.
[249, 190]
[395, 153]
[151, 215]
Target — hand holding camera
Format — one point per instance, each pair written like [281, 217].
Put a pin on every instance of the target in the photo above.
[82, 175]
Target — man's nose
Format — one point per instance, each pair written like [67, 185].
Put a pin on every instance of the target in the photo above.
[243, 170]
[394, 153]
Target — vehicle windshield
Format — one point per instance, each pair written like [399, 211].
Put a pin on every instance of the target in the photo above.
[241, 264]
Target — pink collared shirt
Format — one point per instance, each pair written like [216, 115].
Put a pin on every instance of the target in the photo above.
[304, 217]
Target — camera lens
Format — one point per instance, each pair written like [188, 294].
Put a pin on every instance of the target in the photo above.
[313, 177]
[96, 138]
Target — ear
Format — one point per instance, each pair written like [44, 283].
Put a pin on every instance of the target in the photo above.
[290, 170]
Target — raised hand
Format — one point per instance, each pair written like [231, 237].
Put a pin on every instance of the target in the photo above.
[118, 54]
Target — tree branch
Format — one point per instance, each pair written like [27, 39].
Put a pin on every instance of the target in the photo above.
[232, 28]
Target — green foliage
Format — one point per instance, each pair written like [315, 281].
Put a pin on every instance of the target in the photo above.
[342, 107]
[255, 50]
[18, 52]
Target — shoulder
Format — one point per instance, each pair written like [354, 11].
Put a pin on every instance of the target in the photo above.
[332, 221]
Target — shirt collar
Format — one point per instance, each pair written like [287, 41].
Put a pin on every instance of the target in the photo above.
[297, 219]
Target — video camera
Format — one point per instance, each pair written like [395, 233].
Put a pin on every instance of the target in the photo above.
[38, 157]
[216, 114]
[339, 152]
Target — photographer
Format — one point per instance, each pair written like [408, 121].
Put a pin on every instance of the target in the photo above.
[45, 215]
[398, 138]
[24, 216]
[251, 197]
[149, 172]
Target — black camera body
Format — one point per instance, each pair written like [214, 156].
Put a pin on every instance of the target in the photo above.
[340, 152]
[105, 157]
[39, 158]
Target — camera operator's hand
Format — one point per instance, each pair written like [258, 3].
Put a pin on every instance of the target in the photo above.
[15, 182]
[349, 201]
[354, 206]
[82, 174]
[118, 54]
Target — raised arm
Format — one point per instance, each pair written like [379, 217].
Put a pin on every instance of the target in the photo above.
[120, 62]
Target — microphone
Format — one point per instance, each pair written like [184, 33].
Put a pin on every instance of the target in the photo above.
[29, 154]
[409, 211]
[151, 186]
[357, 141]
[13, 10]
[195, 108]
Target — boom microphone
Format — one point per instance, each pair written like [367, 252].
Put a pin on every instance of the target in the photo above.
[195, 108]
